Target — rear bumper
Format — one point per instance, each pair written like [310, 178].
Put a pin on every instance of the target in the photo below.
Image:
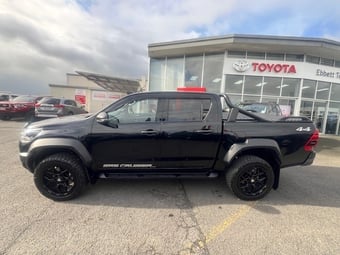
[310, 159]
[46, 116]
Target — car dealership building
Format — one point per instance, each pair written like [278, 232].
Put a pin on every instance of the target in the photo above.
[301, 74]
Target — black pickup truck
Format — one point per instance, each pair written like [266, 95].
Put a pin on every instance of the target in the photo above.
[166, 134]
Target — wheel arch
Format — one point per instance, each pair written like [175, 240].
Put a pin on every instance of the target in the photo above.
[266, 149]
[43, 148]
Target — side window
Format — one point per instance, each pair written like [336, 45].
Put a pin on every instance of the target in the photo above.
[70, 102]
[139, 111]
[188, 109]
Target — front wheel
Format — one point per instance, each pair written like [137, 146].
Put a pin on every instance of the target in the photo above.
[60, 177]
[250, 178]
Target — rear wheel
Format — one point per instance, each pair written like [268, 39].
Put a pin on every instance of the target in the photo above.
[60, 177]
[250, 178]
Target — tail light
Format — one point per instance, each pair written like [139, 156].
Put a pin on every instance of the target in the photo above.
[37, 105]
[313, 140]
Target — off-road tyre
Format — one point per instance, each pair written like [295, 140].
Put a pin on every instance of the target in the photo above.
[60, 177]
[250, 177]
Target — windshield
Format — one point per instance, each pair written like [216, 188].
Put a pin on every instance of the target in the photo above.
[24, 99]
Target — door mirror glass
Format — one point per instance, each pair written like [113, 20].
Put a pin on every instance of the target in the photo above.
[102, 118]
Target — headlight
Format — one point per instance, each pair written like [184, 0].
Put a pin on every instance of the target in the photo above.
[28, 134]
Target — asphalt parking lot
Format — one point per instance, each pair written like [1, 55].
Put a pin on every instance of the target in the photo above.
[172, 216]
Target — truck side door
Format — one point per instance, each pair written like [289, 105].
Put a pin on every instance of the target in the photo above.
[190, 133]
[129, 139]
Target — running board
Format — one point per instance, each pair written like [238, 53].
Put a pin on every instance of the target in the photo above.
[156, 175]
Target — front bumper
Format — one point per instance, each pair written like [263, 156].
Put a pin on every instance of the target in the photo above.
[24, 160]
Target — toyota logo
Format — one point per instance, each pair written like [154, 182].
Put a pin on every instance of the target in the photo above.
[241, 66]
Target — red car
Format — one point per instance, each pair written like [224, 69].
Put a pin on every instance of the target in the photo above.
[21, 106]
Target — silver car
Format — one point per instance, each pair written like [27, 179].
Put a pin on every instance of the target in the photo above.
[50, 107]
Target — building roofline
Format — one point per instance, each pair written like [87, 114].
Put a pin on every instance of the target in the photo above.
[249, 37]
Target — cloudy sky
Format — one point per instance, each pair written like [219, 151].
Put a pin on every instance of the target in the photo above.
[42, 40]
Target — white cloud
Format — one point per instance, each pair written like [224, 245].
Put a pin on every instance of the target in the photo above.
[41, 41]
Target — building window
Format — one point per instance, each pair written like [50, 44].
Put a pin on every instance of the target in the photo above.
[271, 86]
[335, 95]
[157, 74]
[312, 59]
[327, 62]
[193, 71]
[275, 56]
[308, 89]
[295, 57]
[333, 122]
[256, 55]
[174, 73]
[251, 98]
[306, 109]
[253, 85]
[234, 84]
[318, 115]
[322, 91]
[287, 106]
[290, 87]
[237, 54]
[212, 76]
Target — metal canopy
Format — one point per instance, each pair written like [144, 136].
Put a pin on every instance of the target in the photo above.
[112, 83]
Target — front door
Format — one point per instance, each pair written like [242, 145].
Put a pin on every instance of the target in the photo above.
[129, 140]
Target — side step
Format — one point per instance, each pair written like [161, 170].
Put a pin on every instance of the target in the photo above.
[157, 175]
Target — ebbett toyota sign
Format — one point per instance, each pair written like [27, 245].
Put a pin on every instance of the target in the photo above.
[261, 67]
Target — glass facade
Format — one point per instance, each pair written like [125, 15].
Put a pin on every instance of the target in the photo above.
[316, 99]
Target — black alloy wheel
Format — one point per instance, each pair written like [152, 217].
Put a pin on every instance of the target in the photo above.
[250, 178]
[60, 177]
[59, 181]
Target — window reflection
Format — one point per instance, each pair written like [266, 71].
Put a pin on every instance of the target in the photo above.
[234, 84]
[193, 71]
[157, 76]
[290, 87]
[253, 85]
[332, 123]
[322, 91]
[213, 66]
[308, 88]
[318, 115]
[306, 109]
[271, 86]
[335, 95]
[174, 73]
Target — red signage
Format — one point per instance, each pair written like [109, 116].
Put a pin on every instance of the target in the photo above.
[277, 68]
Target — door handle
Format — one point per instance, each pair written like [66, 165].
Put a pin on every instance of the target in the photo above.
[149, 132]
[203, 131]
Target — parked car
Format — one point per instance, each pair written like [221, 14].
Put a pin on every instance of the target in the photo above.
[21, 106]
[186, 135]
[7, 96]
[264, 107]
[50, 107]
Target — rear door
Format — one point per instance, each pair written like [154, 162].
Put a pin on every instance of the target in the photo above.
[190, 132]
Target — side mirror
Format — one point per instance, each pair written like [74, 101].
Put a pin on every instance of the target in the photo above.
[102, 118]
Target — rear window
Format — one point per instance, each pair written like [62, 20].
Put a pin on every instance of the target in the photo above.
[50, 100]
[188, 109]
